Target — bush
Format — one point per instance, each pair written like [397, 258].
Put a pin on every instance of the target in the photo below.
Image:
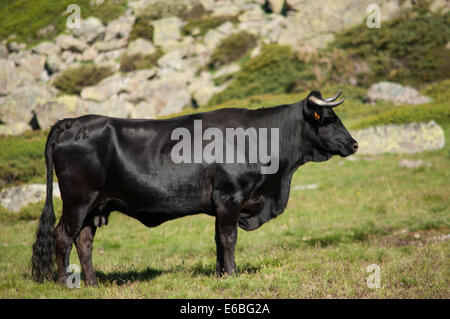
[138, 61]
[204, 24]
[271, 72]
[142, 28]
[73, 80]
[409, 49]
[232, 48]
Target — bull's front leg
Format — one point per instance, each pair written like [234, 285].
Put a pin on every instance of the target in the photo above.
[226, 237]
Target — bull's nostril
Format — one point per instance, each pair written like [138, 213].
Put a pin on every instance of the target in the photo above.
[355, 146]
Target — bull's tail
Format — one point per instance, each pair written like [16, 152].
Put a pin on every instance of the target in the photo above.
[43, 258]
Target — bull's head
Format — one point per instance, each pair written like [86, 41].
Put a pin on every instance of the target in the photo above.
[324, 131]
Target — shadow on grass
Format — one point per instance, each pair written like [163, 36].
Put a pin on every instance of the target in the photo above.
[209, 270]
[124, 277]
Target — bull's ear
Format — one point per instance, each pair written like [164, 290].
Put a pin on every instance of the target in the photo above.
[311, 111]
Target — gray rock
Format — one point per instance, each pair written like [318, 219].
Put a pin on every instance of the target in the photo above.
[12, 78]
[3, 52]
[144, 110]
[34, 64]
[412, 163]
[68, 42]
[54, 64]
[90, 54]
[46, 48]
[15, 198]
[396, 93]
[202, 88]
[119, 28]
[91, 29]
[18, 106]
[407, 138]
[166, 31]
[140, 46]
[113, 107]
[276, 5]
[110, 45]
[105, 89]
[50, 112]
[14, 46]
[14, 129]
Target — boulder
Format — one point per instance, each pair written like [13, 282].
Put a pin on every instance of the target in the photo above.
[3, 52]
[18, 106]
[144, 110]
[54, 64]
[91, 29]
[12, 78]
[140, 46]
[202, 88]
[396, 93]
[14, 46]
[68, 42]
[64, 106]
[105, 89]
[406, 138]
[276, 5]
[15, 198]
[113, 44]
[113, 107]
[46, 48]
[34, 64]
[166, 31]
[119, 28]
[90, 54]
[14, 129]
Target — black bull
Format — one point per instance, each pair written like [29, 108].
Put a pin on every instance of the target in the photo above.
[108, 164]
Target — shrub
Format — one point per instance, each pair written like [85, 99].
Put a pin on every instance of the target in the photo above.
[232, 48]
[138, 61]
[142, 28]
[271, 72]
[408, 49]
[73, 80]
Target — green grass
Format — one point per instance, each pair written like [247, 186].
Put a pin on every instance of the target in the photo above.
[25, 18]
[74, 79]
[364, 212]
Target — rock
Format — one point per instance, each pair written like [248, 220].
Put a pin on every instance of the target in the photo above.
[113, 44]
[413, 164]
[173, 60]
[140, 46]
[46, 31]
[202, 88]
[18, 106]
[89, 54]
[227, 70]
[54, 64]
[15, 198]
[105, 89]
[113, 107]
[119, 28]
[392, 138]
[213, 37]
[13, 46]
[3, 52]
[67, 42]
[14, 129]
[166, 31]
[12, 78]
[64, 106]
[91, 29]
[225, 8]
[46, 48]
[306, 187]
[276, 5]
[34, 64]
[396, 93]
[144, 110]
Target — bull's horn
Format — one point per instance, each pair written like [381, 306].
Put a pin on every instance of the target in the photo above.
[333, 98]
[316, 101]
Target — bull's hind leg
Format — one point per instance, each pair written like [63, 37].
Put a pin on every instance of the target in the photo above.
[84, 249]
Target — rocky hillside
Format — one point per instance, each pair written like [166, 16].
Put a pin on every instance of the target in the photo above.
[155, 57]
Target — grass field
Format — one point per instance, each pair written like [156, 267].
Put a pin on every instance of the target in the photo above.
[366, 211]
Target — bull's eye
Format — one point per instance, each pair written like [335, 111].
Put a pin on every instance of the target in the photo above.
[316, 116]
